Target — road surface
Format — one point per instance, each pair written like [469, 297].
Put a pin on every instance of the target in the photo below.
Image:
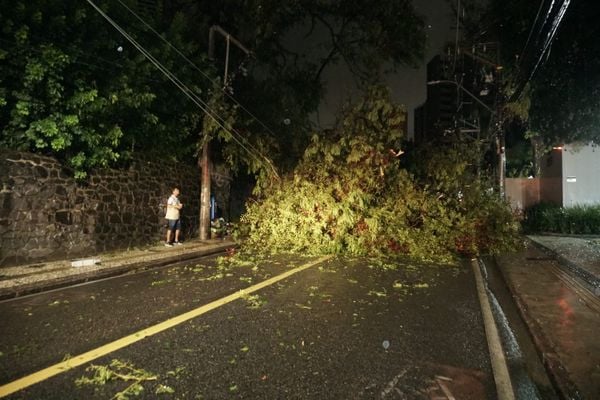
[341, 329]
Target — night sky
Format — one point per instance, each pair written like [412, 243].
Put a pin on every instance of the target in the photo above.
[408, 84]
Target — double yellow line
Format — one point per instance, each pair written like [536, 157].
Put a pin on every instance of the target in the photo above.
[118, 344]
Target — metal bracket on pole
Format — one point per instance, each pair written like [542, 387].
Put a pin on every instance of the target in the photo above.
[461, 87]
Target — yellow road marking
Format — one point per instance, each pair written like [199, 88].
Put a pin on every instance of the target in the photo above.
[101, 351]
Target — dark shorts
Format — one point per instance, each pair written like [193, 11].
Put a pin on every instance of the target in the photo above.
[173, 224]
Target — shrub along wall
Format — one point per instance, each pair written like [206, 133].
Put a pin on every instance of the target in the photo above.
[45, 214]
[551, 218]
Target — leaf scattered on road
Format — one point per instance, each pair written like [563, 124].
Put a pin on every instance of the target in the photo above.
[254, 301]
[58, 302]
[377, 293]
[164, 389]
[161, 282]
[118, 370]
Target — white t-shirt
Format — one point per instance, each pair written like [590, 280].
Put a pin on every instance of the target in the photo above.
[172, 211]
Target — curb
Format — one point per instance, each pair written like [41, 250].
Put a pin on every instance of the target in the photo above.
[57, 283]
[557, 373]
[502, 378]
[589, 279]
[570, 235]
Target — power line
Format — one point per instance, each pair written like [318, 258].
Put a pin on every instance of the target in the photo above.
[550, 36]
[190, 62]
[187, 91]
[192, 96]
[201, 72]
[555, 25]
[545, 51]
[531, 32]
[457, 35]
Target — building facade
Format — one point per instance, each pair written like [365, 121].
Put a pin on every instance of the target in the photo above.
[571, 175]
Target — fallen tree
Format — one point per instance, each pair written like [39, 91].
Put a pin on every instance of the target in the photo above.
[350, 195]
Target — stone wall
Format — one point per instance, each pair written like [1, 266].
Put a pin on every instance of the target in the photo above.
[45, 214]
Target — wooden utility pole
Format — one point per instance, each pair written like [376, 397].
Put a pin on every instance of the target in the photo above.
[205, 192]
[205, 157]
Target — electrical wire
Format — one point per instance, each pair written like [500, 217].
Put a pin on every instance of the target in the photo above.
[207, 77]
[191, 63]
[252, 151]
[545, 51]
[550, 36]
[556, 24]
[196, 99]
[531, 32]
[457, 35]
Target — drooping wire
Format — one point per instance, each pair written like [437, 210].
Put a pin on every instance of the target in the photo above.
[457, 35]
[555, 25]
[192, 64]
[206, 76]
[251, 150]
[557, 20]
[537, 16]
[550, 36]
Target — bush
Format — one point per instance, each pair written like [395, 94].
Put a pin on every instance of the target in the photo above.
[551, 218]
[350, 195]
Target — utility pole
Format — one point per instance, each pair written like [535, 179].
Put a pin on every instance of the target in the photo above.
[205, 192]
[483, 58]
[204, 162]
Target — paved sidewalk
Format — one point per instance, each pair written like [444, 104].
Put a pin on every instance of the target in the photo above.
[32, 278]
[580, 256]
[562, 313]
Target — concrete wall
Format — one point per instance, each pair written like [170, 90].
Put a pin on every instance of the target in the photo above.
[522, 192]
[45, 214]
[580, 175]
[551, 183]
[570, 176]
[551, 191]
[551, 165]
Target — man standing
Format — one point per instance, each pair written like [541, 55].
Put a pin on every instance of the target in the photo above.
[172, 217]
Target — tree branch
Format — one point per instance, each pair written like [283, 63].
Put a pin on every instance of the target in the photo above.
[335, 49]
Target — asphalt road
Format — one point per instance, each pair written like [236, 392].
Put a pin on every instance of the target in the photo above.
[344, 329]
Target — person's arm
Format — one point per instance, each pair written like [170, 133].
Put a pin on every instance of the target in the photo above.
[173, 203]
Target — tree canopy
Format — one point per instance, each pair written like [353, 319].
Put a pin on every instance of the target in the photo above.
[72, 86]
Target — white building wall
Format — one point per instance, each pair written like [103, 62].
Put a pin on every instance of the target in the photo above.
[581, 175]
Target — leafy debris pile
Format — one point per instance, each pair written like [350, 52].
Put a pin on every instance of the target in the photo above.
[350, 195]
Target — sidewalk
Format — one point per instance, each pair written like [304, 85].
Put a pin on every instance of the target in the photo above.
[32, 278]
[552, 282]
[580, 255]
